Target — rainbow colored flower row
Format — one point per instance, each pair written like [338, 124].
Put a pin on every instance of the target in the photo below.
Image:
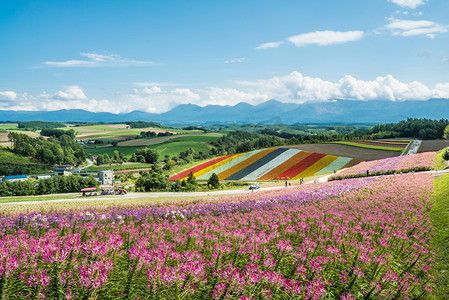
[267, 164]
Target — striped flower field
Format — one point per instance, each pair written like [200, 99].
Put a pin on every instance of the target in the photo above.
[268, 164]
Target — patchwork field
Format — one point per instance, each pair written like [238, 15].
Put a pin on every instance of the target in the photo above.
[347, 151]
[195, 137]
[113, 131]
[267, 164]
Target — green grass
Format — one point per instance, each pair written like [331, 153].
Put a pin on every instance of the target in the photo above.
[7, 157]
[31, 133]
[440, 243]
[8, 126]
[197, 138]
[370, 146]
[440, 161]
[170, 148]
[117, 167]
[31, 198]
[174, 148]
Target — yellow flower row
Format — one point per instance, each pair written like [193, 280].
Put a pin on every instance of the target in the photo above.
[316, 167]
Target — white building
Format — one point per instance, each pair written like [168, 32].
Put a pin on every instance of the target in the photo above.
[106, 177]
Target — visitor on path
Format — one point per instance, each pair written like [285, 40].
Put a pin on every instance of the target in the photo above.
[286, 183]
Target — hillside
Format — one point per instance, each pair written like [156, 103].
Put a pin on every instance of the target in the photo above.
[268, 164]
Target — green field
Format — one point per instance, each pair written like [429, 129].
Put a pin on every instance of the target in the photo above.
[440, 243]
[370, 146]
[8, 126]
[206, 138]
[126, 166]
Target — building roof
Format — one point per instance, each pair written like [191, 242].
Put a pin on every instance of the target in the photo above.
[16, 177]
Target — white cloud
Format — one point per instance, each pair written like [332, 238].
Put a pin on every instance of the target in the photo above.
[157, 100]
[236, 60]
[293, 88]
[408, 3]
[73, 92]
[98, 60]
[8, 95]
[297, 88]
[412, 28]
[268, 45]
[325, 38]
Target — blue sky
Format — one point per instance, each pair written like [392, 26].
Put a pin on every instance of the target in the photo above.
[120, 56]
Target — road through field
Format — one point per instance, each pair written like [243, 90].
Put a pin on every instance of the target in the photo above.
[75, 197]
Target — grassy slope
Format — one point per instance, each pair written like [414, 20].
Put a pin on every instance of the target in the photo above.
[370, 147]
[7, 157]
[440, 243]
[440, 162]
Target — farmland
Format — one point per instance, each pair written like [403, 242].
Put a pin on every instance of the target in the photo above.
[386, 145]
[268, 164]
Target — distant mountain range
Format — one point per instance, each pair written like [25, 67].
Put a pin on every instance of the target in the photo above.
[272, 111]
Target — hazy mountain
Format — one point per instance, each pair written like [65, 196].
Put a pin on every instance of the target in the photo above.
[273, 111]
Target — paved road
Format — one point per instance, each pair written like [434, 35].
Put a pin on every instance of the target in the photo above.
[414, 148]
[143, 195]
[89, 163]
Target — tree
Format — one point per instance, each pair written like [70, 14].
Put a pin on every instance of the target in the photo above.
[213, 181]
[191, 179]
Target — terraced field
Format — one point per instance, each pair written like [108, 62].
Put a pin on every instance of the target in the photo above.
[268, 164]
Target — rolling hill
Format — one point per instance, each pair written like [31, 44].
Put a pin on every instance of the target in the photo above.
[268, 164]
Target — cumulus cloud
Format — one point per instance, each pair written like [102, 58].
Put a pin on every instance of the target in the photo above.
[412, 27]
[156, 100]
[297, 88]
[325, 38]
[293, 88]
[73, 92]
[98, 60]
[8, 95]
[408, 3]
[268, 45]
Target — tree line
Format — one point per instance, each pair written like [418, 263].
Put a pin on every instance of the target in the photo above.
[53, 185]
[425, 129]
[37, 125]
[55, 150]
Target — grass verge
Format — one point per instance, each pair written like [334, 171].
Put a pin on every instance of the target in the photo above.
[440, 243]
[440, 161]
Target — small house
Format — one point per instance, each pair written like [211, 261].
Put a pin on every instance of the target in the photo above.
[16, 178]
[59, 172]
[106, 176]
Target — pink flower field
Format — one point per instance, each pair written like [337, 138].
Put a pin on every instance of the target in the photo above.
[418, 162]
[357, 238]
